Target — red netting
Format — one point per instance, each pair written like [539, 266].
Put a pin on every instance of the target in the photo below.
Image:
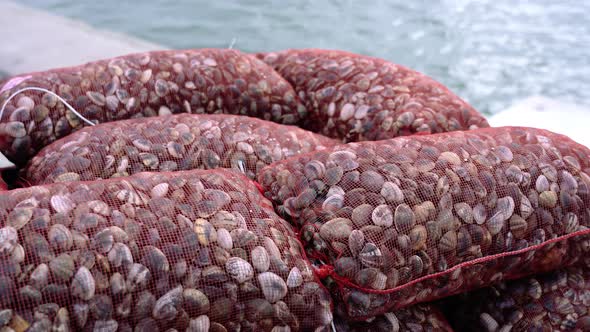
[418, 318]
[141, 85]
[555, 301]
[194, 250]
[170, 143]
[358, 98]
[410, 220]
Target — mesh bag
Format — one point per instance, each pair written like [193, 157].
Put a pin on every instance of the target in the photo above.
[195, 250]
[555, 301]
[358, 98]
[169, 143]
[410, 220]
[417, 318]
[141, 85]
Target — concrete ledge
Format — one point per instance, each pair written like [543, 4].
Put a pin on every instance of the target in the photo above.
[35, 40]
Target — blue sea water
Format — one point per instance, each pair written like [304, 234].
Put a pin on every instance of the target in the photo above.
[490, 52]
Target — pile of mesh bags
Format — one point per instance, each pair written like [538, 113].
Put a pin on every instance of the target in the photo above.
[302, 190]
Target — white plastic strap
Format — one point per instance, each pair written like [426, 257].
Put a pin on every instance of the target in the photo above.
[46, 91]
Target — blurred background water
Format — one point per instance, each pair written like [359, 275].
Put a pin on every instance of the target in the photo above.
[490, 52]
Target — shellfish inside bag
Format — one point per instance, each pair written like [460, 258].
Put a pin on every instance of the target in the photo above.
[415, 219]
[140, 85]
[420, 317]
[190, 250]
[360, 98]
[170, 143]
[554, 301]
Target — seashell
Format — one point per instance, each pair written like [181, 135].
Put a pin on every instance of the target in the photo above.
[548, 199]
[404, 218]
[488, 322]
[333, 203]
[205, 232]
[161, 88]
[61, 204]
[526, 208]
[19, 217]
[295, 278]
[175, 149]
[149, 160]
[118, 286]
[346, 267]
[314, 170]
[416, 265]
[572, 224]
[333, 175]
[60, 237]
[464, 212]
[40, 276]
[83, 285]
[199, 324]
[418, 237]
[370, 255]
[67, 177]
[356, 242]
[62, 267]
[120, 255]
[372, 181]
[518, 226]
[8, 239]
[448, 242]
[382, 216]
[110, 325]
[103, 240]
[338, 228]
[26, 102]
[534, 289]
[96, 97]
[195, 302]
[15, 129]
[496, 223]
[260, 258]
[168, 305]
[504, 153]
[480, 214]
[224, 239]
[99, 207]
[505, 206]
[239, 269]
[155, 260]
[273, 287]
[271, 248]
[138, 276]
[242, 237]
[159, 190]
[80, 313]
[542, 184]
[362, 214]
[392, 192]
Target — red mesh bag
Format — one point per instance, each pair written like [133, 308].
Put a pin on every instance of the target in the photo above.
[170, 143]
[141, 85]
[555, 301]
[361, 98]
[193, 250]
[417, 318]
[410, 220]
